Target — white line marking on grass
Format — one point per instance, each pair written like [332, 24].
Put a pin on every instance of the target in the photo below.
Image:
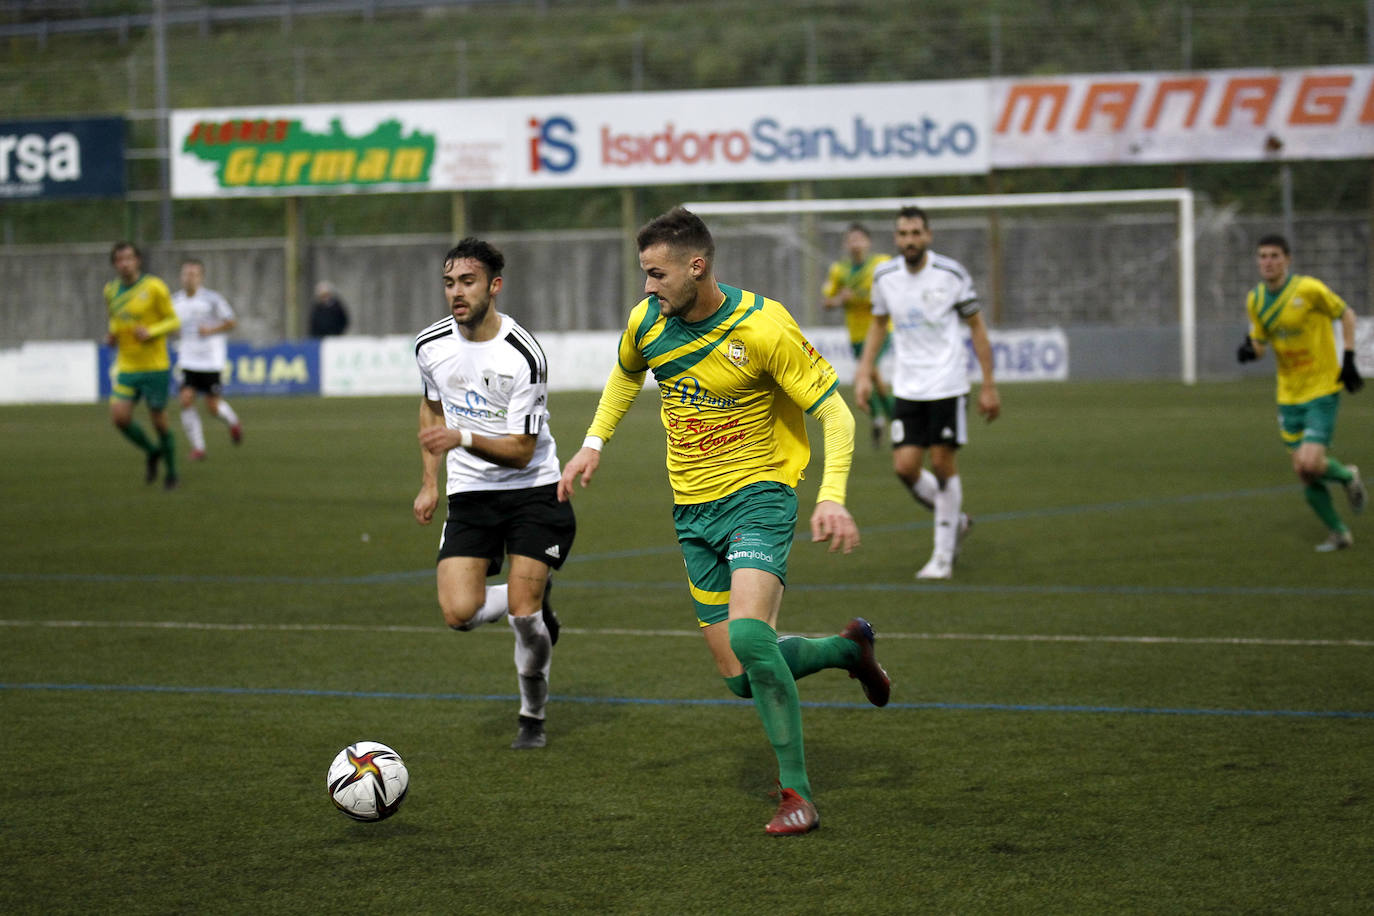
[625, 631]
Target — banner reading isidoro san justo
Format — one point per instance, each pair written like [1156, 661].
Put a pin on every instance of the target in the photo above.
[796, 133]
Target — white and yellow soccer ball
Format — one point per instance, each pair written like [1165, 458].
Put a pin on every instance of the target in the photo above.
[368, 781]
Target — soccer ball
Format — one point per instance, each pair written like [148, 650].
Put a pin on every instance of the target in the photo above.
[368, 781]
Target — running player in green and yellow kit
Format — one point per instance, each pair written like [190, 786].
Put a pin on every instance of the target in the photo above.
[736, 378]
[141, 316]
[1293, 314]
[849, 285]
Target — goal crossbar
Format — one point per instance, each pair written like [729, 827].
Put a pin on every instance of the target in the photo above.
[1181, 198]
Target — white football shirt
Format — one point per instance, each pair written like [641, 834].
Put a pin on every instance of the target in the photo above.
[930, 361]
[205, 309]
[496, 387]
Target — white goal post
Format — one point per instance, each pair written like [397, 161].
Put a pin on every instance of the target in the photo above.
[1181, 198]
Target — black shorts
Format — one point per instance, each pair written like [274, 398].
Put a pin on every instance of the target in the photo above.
[492, 523]
[204, 382]
[927, 423]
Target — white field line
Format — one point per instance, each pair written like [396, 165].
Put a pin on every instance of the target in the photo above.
[617, 631]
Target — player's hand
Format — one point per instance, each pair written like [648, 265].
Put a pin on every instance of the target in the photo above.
[989, 402]
[863, 391]
[1350, 375]
[1246, 352]
[140, 333]
[425, 501]
[583, 465]
[832, 522]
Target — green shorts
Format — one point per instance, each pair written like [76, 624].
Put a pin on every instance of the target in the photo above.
[751, 528]
[1310, 421]
[152, 387]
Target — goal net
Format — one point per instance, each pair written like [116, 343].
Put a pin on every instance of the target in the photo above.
[1111, 272]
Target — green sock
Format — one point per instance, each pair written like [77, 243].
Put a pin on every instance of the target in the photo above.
[807, 656]
[739, 686]
[804, 656]
[169, 452]
[1336, 471]
[1319, 498]
[755, 644]
[135, 434]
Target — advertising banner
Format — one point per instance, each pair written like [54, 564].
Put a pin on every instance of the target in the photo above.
[283, 368]
[1200, 116]
[81, 157]
[853, 131]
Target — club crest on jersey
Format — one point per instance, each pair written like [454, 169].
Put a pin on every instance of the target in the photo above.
[736, 353]
[497, 382]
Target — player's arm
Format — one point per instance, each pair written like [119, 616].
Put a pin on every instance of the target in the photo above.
[830, 520]
[1252, 347]
[622, 386]
[1349, 375]
[226, 324]
[431, 415]
[989, 402]
[809, 380]
[509, 451]
[866, 371]
[166, 318]
[833, 292]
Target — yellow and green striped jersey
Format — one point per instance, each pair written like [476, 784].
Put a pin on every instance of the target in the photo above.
[1296, 323]
[858, 311]
[146, 304]
[734, 388]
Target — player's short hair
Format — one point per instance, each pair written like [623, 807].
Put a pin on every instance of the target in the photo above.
[196, 261]
[912, 211]
[679, 229]
[123, 245]
[484, 253]
[859, 228]
[1276, 240]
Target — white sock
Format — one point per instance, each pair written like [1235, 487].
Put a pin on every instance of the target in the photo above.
[190, 421]
[492, 610]
[226, 413]
[949, 499]
[926, 488]
[533, 654]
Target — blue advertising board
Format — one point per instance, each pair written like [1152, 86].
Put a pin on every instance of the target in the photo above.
[284, 368]
[77, 157]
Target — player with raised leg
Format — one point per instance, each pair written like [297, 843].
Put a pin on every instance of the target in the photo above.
[140, 313]
[1294, 314]
[485, 406]
[736, 378]
[202, 352]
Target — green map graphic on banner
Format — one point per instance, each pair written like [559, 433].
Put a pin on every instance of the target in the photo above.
[263, 153]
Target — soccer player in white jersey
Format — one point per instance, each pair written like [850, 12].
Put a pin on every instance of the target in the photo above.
[924, 295]
[203, 350]
[485, 405]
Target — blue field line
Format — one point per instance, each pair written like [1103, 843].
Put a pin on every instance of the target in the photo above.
[648, 701]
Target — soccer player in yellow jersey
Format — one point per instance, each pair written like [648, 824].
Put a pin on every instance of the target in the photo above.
[736, 378]
[141, 316]
[1294, 314]
[849, 285]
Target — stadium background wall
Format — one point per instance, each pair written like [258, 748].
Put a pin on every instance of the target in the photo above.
[1109, 283]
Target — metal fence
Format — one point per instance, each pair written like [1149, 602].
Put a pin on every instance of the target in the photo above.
[1111, 282]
